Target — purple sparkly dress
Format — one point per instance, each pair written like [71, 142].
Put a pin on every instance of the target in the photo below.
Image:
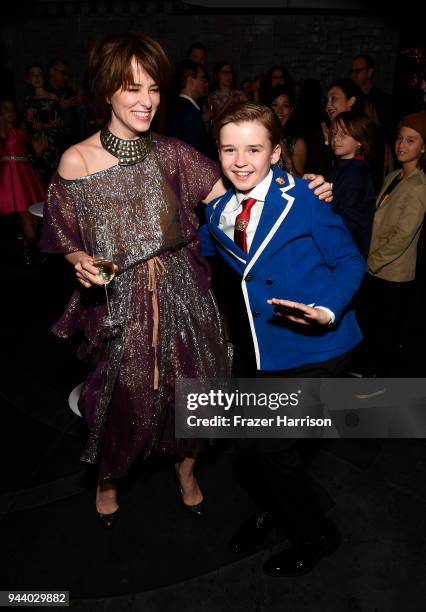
[169, 325]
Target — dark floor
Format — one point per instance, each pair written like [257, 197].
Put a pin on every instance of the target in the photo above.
[158, 559]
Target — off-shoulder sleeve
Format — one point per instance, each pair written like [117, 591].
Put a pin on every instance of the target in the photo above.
[61, 232]
[197, 173]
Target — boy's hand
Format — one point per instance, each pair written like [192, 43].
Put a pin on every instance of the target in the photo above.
[300, 313]
[323, 189]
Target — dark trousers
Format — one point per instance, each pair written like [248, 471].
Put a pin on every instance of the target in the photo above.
[273, 470]
[384, 312]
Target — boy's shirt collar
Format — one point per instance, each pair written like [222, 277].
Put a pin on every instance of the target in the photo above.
[259, 192]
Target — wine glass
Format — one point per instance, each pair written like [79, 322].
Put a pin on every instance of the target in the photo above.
[103, 259]
[210, 111]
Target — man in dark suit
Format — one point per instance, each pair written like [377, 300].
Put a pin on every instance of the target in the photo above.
[362, 74]
[69, 101]
[185, 118]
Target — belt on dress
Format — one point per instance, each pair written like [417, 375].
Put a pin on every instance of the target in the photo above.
[155, 266]
[13, 158]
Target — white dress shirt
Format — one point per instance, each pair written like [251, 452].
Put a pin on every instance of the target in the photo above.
[233, 209]
[191, 100]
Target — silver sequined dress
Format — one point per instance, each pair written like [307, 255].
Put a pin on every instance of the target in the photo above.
[170, 327]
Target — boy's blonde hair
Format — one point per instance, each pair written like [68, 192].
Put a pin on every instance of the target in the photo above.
[250, 111]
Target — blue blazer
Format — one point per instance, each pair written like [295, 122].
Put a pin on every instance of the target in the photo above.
[301, 251]
[354, 199]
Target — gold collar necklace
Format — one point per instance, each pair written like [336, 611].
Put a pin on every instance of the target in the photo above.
[128, 152]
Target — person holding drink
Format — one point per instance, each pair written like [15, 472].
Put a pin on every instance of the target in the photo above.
[164, 322]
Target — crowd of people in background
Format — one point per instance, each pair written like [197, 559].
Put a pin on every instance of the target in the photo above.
[314, 274]
[55, 115]
[348, 132]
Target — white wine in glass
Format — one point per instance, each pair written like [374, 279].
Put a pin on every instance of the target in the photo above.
[106, 268]
[103, 259]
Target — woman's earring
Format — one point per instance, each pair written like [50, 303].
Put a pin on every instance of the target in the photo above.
[108, 102]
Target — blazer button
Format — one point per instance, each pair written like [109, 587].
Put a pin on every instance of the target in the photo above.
[269, 281]
[248, 277]
[254, 313]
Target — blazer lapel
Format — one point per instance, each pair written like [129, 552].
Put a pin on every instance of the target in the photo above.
[386, 184]
[278, 203]
[226, 241]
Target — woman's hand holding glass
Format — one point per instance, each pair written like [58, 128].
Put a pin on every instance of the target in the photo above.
[98, 268]
[87, 273]
[103, 260]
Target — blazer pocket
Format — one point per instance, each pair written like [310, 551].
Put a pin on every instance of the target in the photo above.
[320, 339]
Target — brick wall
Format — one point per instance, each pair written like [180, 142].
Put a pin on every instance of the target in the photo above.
[309, 45]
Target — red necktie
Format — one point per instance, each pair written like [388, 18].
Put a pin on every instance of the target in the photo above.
[241, 223]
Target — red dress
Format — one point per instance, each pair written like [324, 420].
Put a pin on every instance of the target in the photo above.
[20, 186]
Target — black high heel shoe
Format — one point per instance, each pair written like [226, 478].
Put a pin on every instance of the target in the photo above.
[107, 520]
[195, 509]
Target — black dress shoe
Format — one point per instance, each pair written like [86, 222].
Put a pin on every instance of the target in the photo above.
[300, 558]
[251, 533]
[108, 520]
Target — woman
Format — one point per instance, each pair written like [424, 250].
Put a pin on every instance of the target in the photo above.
[342, 96]
[293, 149]
[20, 186]
[398, 220]
[223, 93]
[276, 75]
[167, 324]
[43, 123]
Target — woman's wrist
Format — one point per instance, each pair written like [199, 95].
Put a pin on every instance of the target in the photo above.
[76, 257]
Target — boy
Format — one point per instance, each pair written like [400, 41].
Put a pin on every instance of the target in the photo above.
[296, 260]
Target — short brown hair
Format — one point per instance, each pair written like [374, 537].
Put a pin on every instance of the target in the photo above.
[360, 127]
[110, 67]
[250, 111]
